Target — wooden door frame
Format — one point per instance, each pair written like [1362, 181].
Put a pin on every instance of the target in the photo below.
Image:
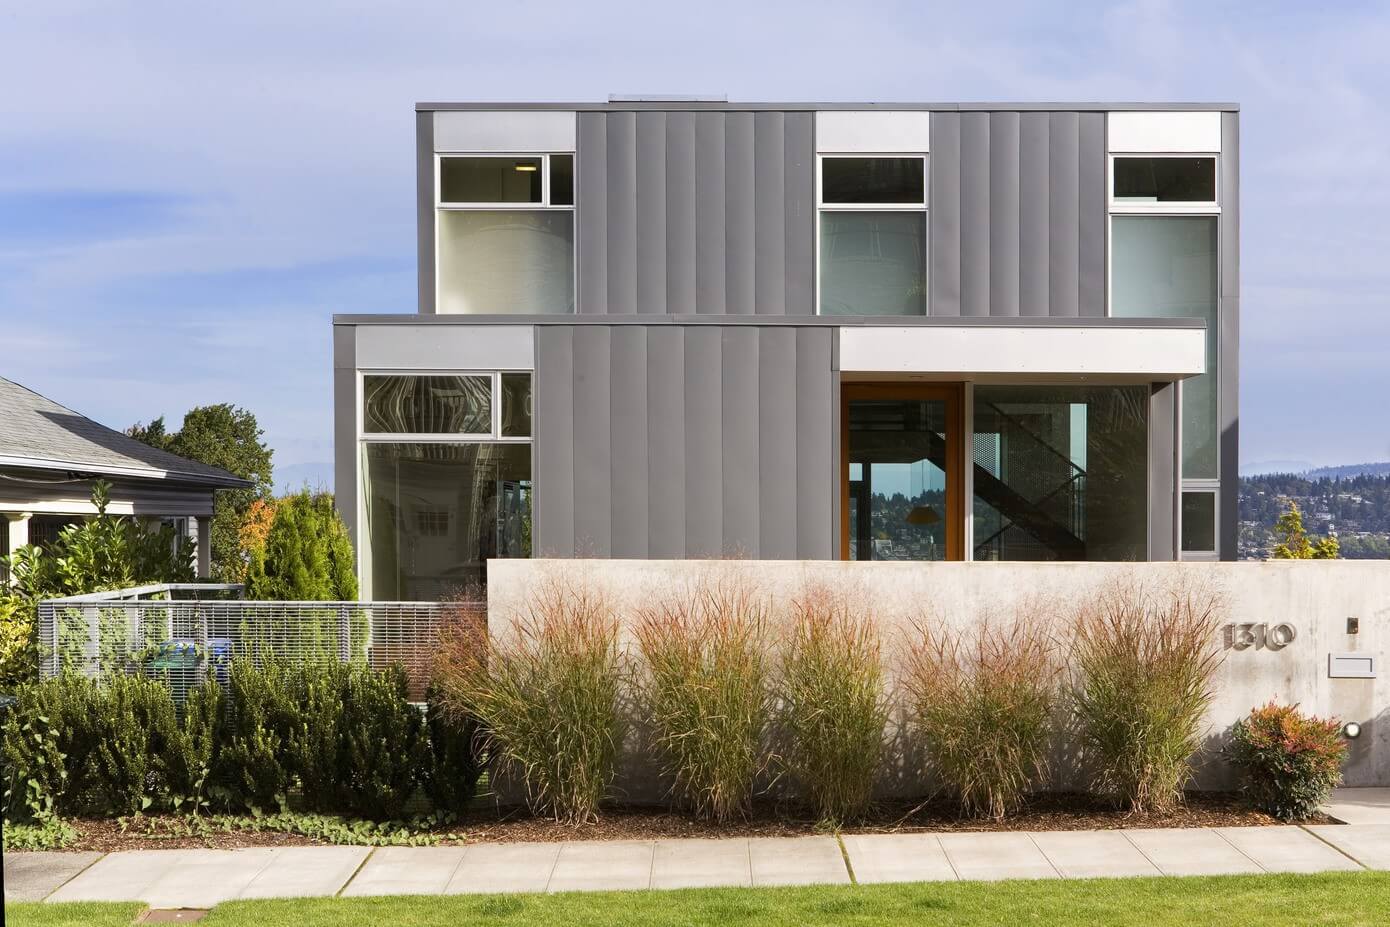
[954, 396]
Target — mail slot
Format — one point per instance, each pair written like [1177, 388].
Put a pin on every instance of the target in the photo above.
[1351, 665]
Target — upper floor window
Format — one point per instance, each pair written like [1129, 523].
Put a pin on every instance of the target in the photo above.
[1163, 182]
[873, 235]
[504, 233]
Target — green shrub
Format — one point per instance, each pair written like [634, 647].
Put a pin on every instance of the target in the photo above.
[833, 709]
[19, 654]
[307, 554]
[313, 746]
[455, 762]
[35, 767]
[129, 713]
[382, 744]
[983, 706]
[705, 692]
[253, 767]
[1290, 762]
[1144, 663]
[546, 691]
[190, 748]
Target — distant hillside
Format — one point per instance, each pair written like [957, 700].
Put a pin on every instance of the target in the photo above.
[1350, 470]
[1353, 505]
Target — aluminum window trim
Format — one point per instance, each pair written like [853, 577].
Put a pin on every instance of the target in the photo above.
[1174, 207]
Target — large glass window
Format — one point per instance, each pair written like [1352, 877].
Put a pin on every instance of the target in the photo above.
[1060, 473]
[452, 489]
[1165, 267]
[505, 234]
[873, 235]
[437, 512]
[1199, 522]
[897, 492]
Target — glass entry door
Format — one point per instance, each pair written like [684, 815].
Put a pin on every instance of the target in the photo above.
[901, 497]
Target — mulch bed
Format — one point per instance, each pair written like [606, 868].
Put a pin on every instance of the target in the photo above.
[497, 825]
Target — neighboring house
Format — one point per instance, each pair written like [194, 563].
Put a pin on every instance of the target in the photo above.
[49, 456]
[671, 328]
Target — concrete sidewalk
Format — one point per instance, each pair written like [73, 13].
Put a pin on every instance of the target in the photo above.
[203, 878]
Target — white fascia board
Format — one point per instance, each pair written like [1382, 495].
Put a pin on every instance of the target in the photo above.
[1159, 353]
[1162, 133]
[446, 347]
[493, 130]
[873, 132]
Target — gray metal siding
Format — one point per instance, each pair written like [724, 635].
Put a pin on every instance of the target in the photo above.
[1163, 472]
[1228, 337]
[424, 209]
[684, 213]
[684, 441]
[1018, 214]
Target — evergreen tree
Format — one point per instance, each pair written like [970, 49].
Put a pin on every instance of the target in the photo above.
[1294, 543]
[307, 555]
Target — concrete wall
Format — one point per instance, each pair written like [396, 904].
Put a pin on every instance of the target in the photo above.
[1315, 598]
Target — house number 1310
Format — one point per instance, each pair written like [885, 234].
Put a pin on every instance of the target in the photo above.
[1261, 636]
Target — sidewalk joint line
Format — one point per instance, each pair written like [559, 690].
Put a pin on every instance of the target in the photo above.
[946, 853]
[844, 855]
[79, 872]
[651, 870]
[554, 864]
[1321, 838]
[453, 874]
[371, 851]
[1227, 840]
[1043, 853]
[1124, 831]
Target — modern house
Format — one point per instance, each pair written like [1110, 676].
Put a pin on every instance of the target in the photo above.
[682, 328]
[49, 456]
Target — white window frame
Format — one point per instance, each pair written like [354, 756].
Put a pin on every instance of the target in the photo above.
[543, 206]
[924, 207]
[1173, 207]
[1204, 486]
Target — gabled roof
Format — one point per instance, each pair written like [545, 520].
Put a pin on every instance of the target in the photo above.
[38, 433]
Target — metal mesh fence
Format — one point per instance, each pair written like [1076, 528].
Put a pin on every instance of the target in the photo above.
[162, 632]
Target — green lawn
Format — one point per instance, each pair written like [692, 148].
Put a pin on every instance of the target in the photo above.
[1330, 899]
[72, 914]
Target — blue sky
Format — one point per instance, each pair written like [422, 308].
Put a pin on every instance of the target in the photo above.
[187, 193]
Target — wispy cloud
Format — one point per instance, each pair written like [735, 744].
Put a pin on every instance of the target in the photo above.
[188, 193]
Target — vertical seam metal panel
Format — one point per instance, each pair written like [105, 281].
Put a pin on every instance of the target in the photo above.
[799, 185]
[703, 391]
[593, 464]
[944, 216]
[1033, 203]
[666, 437]
[650, 207]
[1163, 480]
[622, 213]
[1063, 225]
[681, 212]
[553, 443]
[1092, 215]
[591, 208]
[740, 214]
[817, 493]
[710, 231]
[975, 254]
[770, 219]
[1228, 337]
[777, 443]
[629, 475]
[424, 211]
[739, 420]
[1003, 214]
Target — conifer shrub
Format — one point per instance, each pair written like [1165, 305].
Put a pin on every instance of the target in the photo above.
[254, 767]
[1289, 762]
[307, 555]
[455, 762]
[382, 750]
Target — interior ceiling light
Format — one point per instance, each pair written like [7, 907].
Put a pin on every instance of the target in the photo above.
[523, 166]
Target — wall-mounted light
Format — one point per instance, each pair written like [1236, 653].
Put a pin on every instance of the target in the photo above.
[1351, 730]
[1353, 625]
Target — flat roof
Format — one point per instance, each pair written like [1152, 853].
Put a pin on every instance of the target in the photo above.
[729, 319]
[721, 106]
